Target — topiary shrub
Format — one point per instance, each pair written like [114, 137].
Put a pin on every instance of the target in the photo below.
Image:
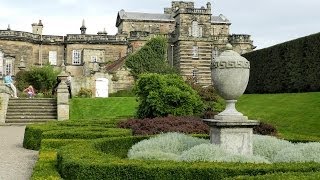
[163, 95]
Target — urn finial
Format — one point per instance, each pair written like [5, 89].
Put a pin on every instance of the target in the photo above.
[230, 75]
[229, 46]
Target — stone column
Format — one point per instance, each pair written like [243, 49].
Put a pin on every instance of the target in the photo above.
[63, 98]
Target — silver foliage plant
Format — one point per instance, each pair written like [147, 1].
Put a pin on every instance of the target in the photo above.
[181, 147]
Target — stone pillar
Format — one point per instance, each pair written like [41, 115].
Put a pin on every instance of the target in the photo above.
[63, 98]
[5, 93]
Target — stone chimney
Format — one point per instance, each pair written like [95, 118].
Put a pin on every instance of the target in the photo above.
[37, 27]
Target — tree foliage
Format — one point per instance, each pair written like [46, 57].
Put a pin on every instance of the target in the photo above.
[41, 78]
[151, 58]
[163, 95]
[292, 66]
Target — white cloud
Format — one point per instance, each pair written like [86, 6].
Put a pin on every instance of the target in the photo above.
[68, 2]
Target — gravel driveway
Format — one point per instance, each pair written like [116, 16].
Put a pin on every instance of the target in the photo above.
[16, 163]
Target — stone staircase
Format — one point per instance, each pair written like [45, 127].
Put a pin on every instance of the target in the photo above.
[25, 110]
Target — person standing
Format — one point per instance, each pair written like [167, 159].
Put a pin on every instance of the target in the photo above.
[68, 82]
[9, 82]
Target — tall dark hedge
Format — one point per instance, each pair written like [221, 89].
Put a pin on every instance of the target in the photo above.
[151, 58]
[293, 66]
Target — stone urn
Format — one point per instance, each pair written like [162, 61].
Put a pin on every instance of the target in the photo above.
[230, 129]
[230, 76]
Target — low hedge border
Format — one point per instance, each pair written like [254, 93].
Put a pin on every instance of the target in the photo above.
[106, 159]
[35, 133]
[287, 176]
[45, 168]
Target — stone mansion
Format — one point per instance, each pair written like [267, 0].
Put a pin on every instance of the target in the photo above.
[195, 37]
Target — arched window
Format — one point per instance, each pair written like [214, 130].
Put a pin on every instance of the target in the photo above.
[195, 29]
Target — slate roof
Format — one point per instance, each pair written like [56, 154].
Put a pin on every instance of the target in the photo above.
[143, 16]
[221, 19]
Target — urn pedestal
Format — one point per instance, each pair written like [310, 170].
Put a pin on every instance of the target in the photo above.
[230, 129]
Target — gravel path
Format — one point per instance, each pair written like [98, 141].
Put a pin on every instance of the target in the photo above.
[16, 163]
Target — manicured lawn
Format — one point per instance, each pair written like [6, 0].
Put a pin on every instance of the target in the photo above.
[296, 115]
[102, 108]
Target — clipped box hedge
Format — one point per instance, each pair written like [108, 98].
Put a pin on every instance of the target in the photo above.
[106, 159]
[291, 175]
[35, 133]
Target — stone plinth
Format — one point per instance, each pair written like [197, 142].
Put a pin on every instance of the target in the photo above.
[63, 100]
[5, 92]
[233, 136]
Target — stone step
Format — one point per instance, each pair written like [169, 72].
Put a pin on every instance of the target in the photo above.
[31, 117]
[31, 113]
[30, 105]
[32, 100]
[33, 109]
[40, 108]
[27, 121]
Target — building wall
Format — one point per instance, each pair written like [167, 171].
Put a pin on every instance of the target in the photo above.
[112, 52]
[128, 26]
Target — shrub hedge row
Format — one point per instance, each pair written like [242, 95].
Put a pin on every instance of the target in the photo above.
[291, 175]
[106, 159]
[35, 133]
[292, 66]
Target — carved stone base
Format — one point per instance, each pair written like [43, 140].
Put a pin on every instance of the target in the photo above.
[233, 136]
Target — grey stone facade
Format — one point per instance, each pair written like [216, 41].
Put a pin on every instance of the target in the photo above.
[195, 37]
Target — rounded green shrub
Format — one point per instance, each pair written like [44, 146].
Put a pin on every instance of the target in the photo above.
[163, 95]
[85, 93]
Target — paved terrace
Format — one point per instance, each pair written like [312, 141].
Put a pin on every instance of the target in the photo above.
[16, 163]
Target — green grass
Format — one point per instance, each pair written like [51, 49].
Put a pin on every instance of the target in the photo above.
[82, 109]
[296, 115]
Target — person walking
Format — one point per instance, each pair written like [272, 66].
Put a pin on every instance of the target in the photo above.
[9, 82]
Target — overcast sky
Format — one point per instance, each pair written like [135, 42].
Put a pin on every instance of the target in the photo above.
[269, 22]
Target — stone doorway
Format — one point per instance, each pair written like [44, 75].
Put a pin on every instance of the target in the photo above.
[102, 85]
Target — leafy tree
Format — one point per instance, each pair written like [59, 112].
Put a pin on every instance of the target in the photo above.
[41, 78]
[163, 95]
[151, 58]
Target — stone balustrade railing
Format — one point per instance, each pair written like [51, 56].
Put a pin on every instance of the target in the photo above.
[237, 38]
[20, 35]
